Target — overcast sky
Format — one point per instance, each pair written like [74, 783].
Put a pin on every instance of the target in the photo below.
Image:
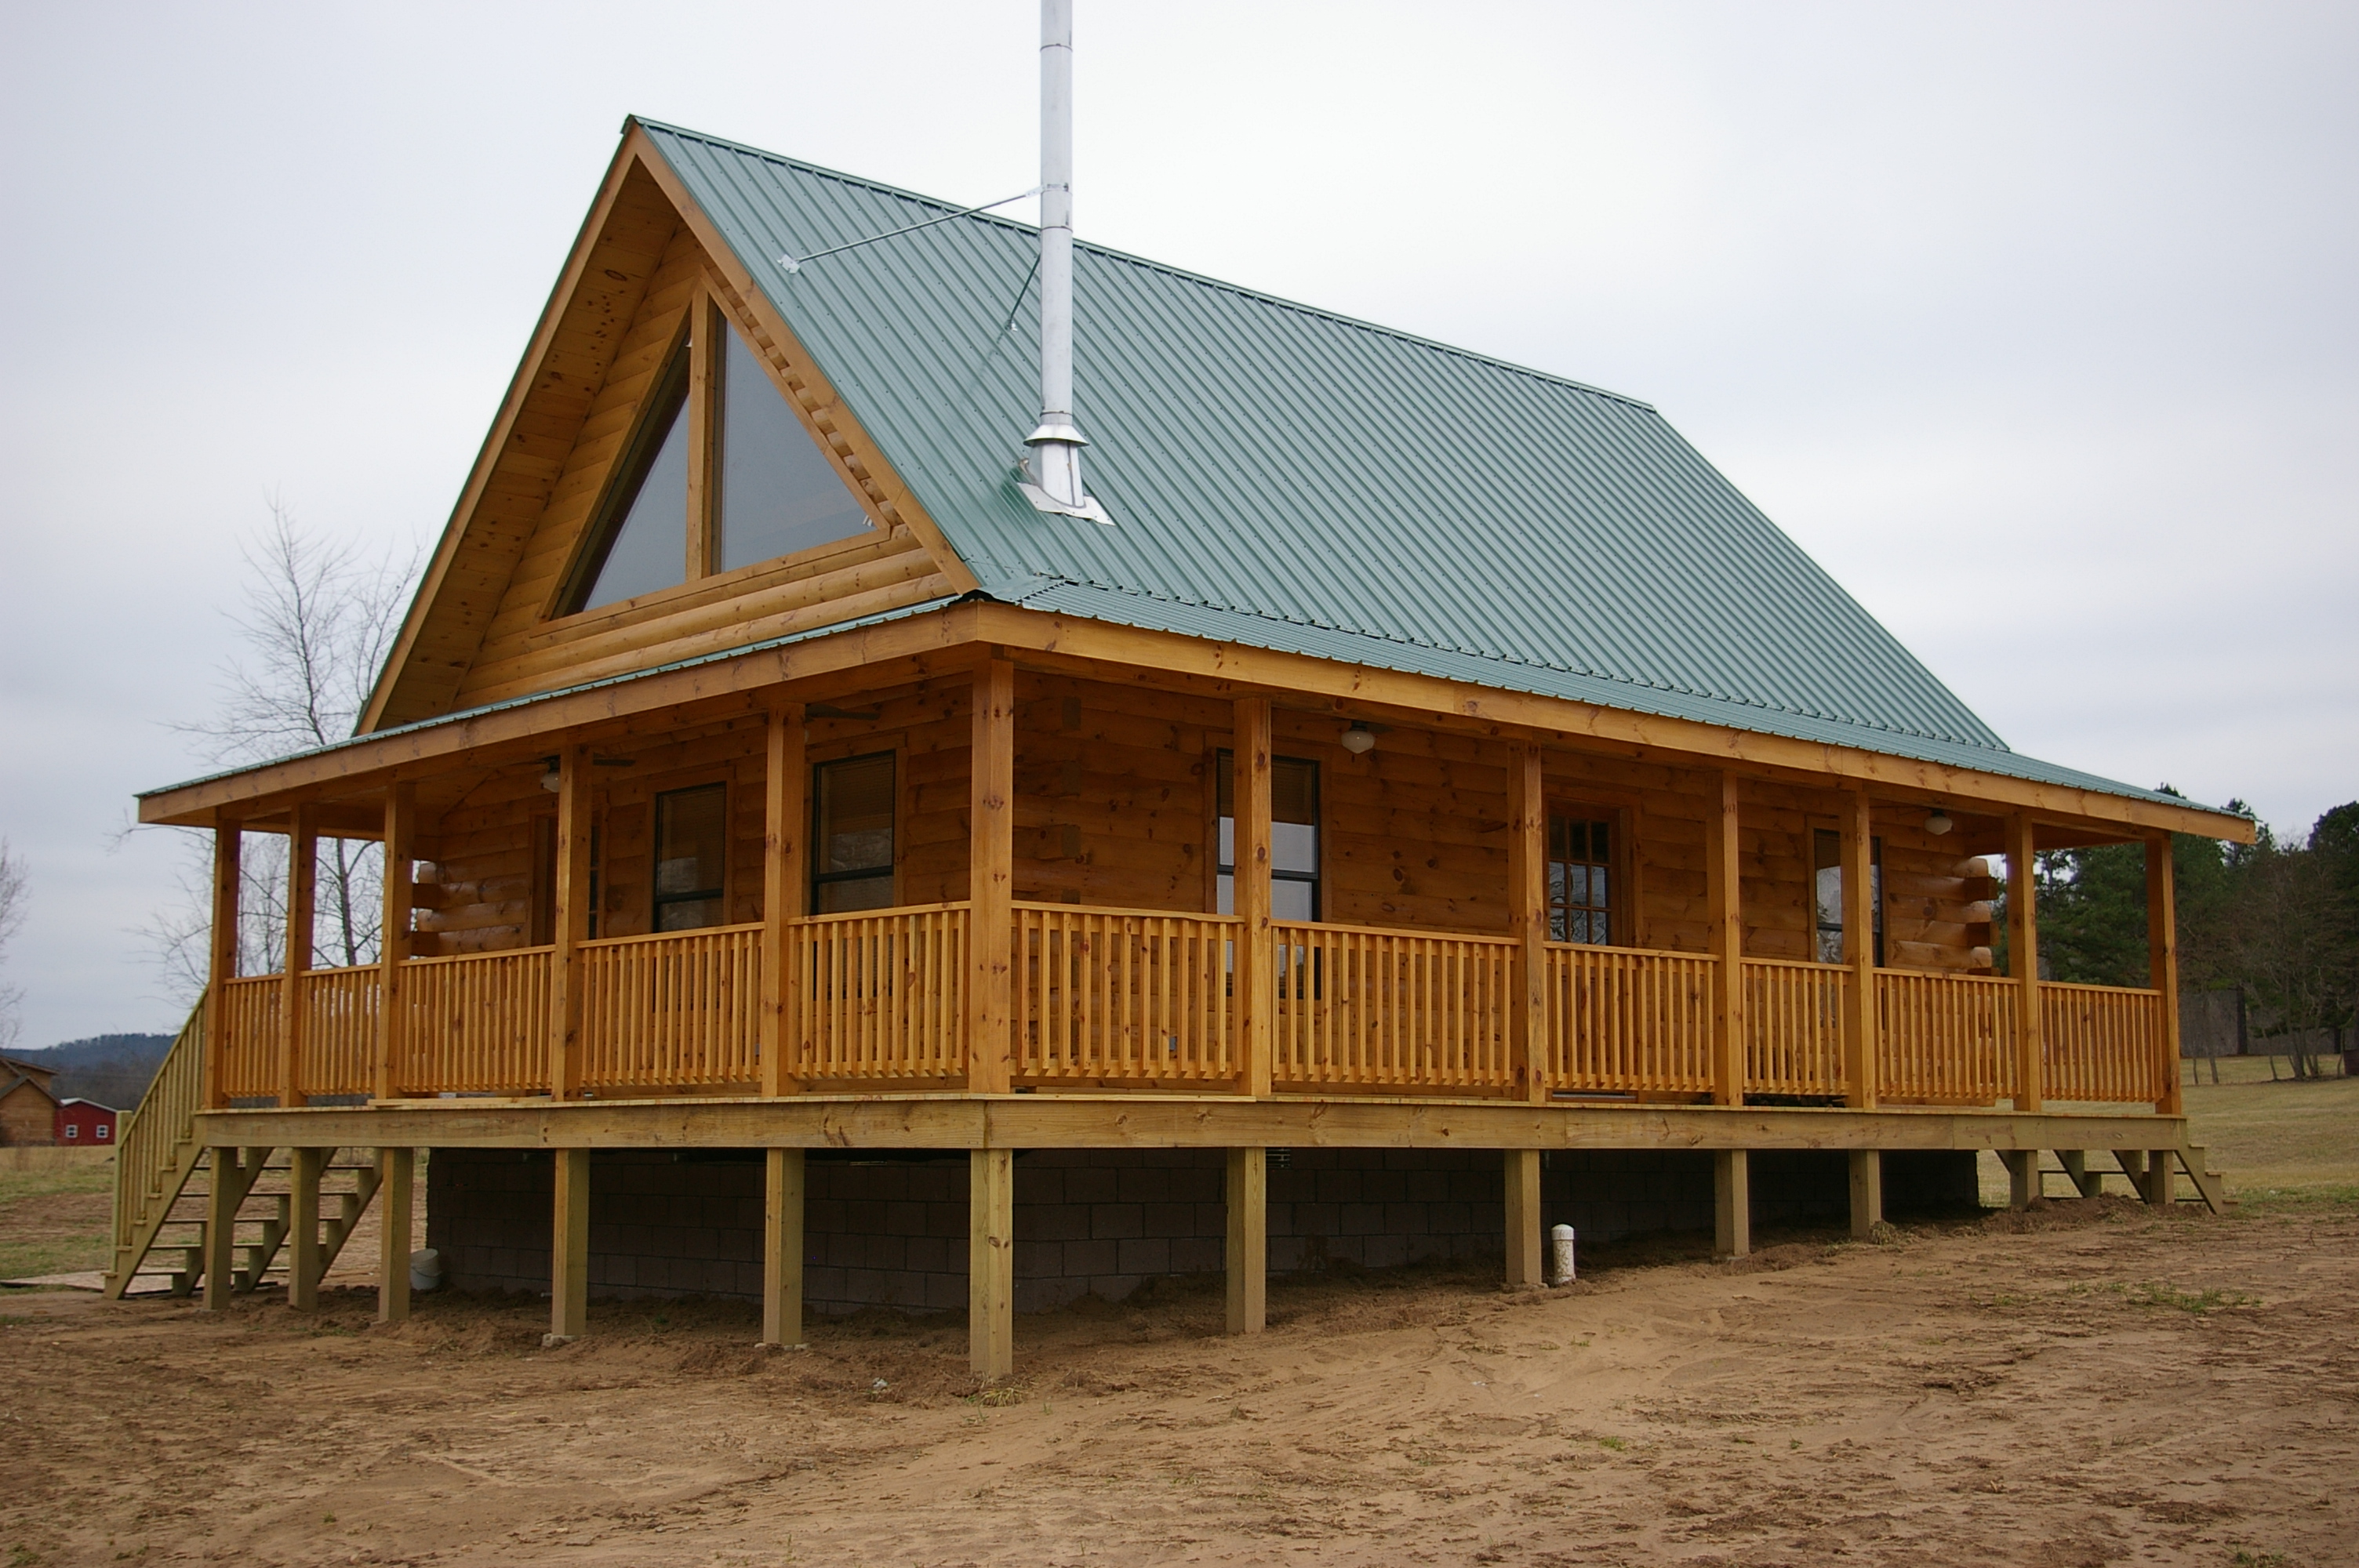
[2035, 324]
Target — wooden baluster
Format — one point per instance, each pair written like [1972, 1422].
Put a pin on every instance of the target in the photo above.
[2162, 965]
[302, 883]
[1724, 904]
[221, 962]
[991, 879]
[566, 980]
[393, 947]
[1256, 948]
[2023, 963]
[786, 820]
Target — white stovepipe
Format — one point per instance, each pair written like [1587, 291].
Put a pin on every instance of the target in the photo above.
[1057, 443]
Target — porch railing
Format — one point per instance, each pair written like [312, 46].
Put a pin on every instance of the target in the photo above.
[340, 1024]
[249, 1052]
[1946, 1039]
[1124, 996]
[2102, 1042]
[1794, 1028]
[478, 1024]
[1390, 1010]
[678, 1011]
[1623, 1019]
[883, 994]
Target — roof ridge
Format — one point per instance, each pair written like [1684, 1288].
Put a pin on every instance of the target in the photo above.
[1047, 580]
[1134, 259]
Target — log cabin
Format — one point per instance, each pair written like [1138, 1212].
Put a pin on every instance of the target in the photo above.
[834, 855]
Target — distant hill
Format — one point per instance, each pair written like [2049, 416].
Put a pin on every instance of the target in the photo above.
[112, 1069]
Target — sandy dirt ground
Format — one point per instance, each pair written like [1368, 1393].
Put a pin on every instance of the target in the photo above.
[2086, 1383]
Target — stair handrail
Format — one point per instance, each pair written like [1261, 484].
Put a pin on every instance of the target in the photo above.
[154, 1150]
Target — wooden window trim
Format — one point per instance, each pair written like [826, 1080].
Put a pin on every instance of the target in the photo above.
[1623, 904]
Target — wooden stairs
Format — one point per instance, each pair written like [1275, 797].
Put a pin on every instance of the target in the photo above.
[164, 1180]
[2193, 1158]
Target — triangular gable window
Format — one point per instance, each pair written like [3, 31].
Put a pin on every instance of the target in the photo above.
[772, 491]
[777, 494]
[646, 526]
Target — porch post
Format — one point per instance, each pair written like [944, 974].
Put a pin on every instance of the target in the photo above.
[1245, 1257]
[991, 1262]
[569, 1249]
[2023, 1180]
[2023, 963]
[302, 880]
[225, 1187]
[1860, 1028]
[1522, 1169]
[991, 882]
[1867, 1192]
[782, 1249]
[2162, 965]
[392, 946]
[786, 820]
[1249, 787]
[395, 1195]
[221, 962]
[1527, 911]
[303, 1226]
[1732, 1191]
[1723, 902]
[572, 925]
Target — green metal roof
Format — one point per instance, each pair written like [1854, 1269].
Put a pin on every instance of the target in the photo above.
[1286, 477]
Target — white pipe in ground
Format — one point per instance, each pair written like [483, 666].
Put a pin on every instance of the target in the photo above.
[1561, 1268]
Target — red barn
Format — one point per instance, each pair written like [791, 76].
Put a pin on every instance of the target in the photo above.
[82, 1122]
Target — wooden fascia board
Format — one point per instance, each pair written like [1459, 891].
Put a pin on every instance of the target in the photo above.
[1525, 716]
[496, 440]
[1128, 655]
[722, 256]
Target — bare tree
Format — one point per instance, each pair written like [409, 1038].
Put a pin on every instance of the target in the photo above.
[12, 920]
[318, 620]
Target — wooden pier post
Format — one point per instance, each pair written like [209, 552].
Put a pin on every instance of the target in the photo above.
[782, 1249]
[303, 1167]
[2022, 1176]
[1522, 1169]
[991, 1262]
[1732, 1209]
[1245, 1257]
[397, 1169]
[225, 1187]
[569, 1251]
[1867, 1192]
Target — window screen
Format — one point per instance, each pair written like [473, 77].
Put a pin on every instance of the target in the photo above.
[1293, 838]
[691, 858]
[1827, 879]
[777, 494]
[852, 802]
[1579, 881]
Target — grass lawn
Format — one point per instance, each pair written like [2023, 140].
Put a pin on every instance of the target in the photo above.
[2282, 1136]
[55, 1212]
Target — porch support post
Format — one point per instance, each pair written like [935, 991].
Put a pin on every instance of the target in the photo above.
[786, 817]
[568, 1251]
[991, 873]
[303, 1167]
[1723, 902]
[1245, 1257]
[991, 1262]
[398, 1169]
[1859, 950]
[302, 882]
[572, 925]
[2023, 963]
[2162, 968]
[393, 948]
[1732, 1209]
[1523, 1194]
[1527, 913]
[225, 1187]
[2022, 1176]
[1250, 848]
[782, 1249]
[1867, 1192]
[221, 963]
[2156, 1185]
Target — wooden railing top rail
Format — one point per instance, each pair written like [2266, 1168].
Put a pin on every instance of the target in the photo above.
[889, 911]
[1489, 939]
[645, 938]
[485, 954]
[1124, 911]
[1618, 948]
[2105, 990]
[1753, 963]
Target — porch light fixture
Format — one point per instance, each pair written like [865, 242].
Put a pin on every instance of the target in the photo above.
[1359, 740]
[552, 778]
[1939, 823]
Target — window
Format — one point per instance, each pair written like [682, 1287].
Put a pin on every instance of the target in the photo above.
[1580, 881]
[691, 858]
[1293, 838]
[102, 1131]
[1827, 877]
[852, 803]
[642, 534]
[73, 1129]
[776, 493]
